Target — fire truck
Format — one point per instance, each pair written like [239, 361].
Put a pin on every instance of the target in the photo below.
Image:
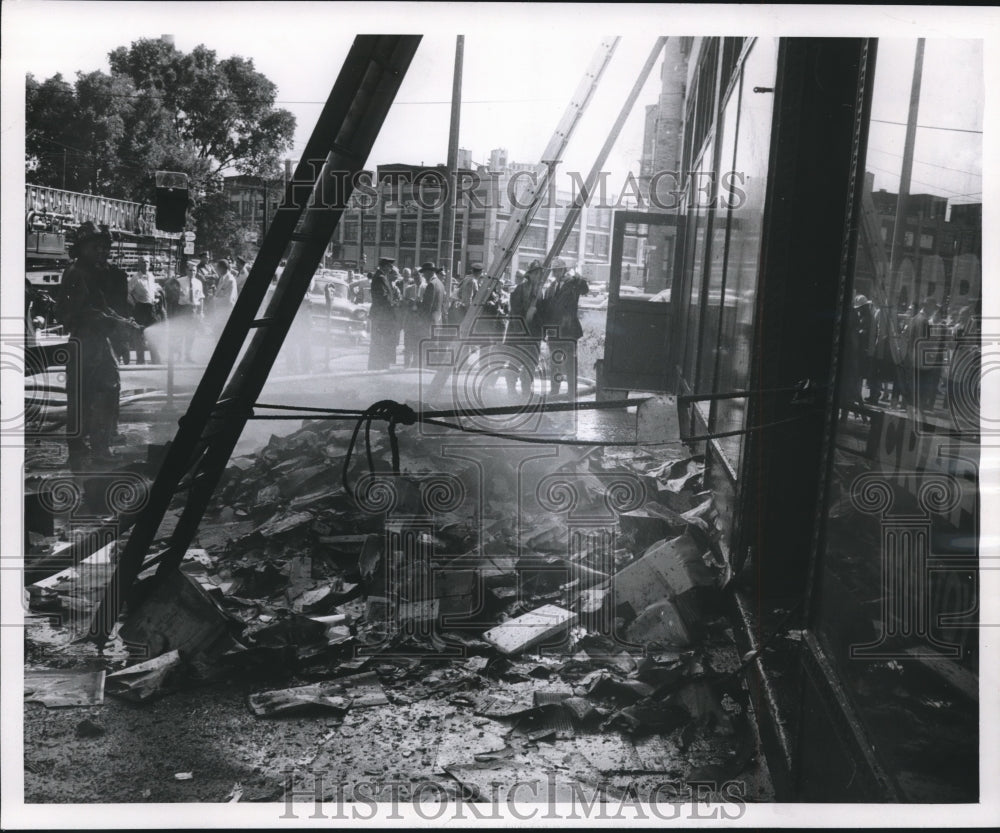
[53, 215]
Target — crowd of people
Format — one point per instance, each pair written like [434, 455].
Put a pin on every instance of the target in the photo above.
[935, 353]
[414, 306]
[108, 313]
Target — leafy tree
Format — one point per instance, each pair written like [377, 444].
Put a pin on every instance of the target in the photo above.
[224, 109]
[158, 109]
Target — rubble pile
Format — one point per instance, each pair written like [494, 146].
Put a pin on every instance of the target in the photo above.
[563, 593]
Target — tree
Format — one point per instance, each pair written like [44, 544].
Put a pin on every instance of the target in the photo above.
[224, 109]
[158, 109]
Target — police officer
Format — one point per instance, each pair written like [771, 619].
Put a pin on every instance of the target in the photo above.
[385, 335]
[93, 384]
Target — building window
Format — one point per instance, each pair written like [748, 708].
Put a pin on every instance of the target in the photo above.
[388, 232]
[630, 248]
[429, 232]
[351, 232]
[926, 241]
[899, 584]
[743, 256]
[703, 114]
[597, 245]
[534, 238]
[712, 300]
[368, 234]
[477, 230]
[408, 233]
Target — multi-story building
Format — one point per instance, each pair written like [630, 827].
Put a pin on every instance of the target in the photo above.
[255, 200]
[405, 221]
[938, 252]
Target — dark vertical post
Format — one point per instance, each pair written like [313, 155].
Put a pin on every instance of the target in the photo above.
[447, 248]
[899, 226]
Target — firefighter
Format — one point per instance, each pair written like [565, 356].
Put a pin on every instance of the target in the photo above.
[93, 384]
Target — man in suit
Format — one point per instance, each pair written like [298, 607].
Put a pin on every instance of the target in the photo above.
[561, 318]
[524, 331]
[432, 301]
[467, 290]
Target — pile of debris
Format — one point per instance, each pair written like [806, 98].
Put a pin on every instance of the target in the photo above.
[468, 573]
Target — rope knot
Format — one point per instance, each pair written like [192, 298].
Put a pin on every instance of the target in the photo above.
[394, 412]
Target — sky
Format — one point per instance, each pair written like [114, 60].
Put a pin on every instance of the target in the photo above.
[948, 149]
[520, 71]
[517, 79]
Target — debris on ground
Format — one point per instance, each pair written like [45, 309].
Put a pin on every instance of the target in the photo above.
[147, 679]
[544, 624]
[64, 688]
[88, 728]
[525, 593]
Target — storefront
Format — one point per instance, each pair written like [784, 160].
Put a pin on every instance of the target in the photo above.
[851, 523]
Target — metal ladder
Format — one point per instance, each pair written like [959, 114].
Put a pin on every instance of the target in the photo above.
[521, 217]
[343, 137]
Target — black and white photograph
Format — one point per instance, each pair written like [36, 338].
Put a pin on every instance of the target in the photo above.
[468, 414]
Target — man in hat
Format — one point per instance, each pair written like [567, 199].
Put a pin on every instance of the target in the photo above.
[524, 331]
[921, 379]
[93, 384]
[432, 301]
[413, 289]
[467, 290]
[384, 336]
[561, 317]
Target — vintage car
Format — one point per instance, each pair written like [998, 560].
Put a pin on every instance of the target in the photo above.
[329, 301]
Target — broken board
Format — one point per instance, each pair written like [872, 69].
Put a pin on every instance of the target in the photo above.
[529, 630]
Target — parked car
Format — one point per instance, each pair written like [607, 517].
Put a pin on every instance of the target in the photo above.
[329, 297]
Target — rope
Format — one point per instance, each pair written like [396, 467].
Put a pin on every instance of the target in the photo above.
[397, 413]
[386, 409]
[500, 410]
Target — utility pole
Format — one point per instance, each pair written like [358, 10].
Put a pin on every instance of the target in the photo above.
[447, 249]
[899, 226]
